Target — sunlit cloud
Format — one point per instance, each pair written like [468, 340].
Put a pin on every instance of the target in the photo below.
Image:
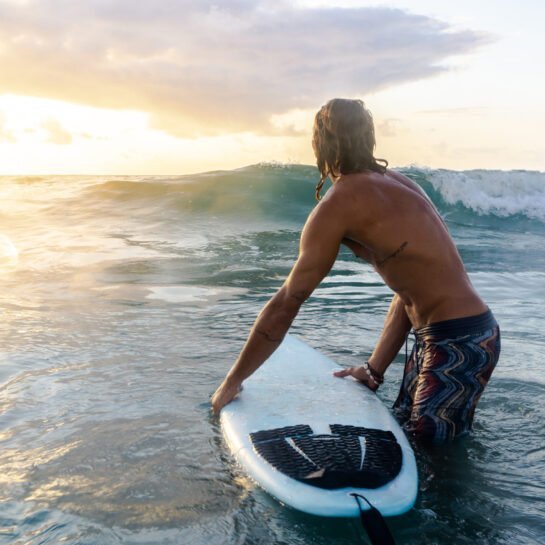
[466, 111]
[56, 133]
[295, 122]
[202, 68]
[389, 128]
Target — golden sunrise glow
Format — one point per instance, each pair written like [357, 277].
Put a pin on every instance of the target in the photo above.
[86, 102]
[55, 137]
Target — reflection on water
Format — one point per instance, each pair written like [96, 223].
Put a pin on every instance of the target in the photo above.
[8, 254]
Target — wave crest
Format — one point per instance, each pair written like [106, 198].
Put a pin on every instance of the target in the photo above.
[286, 192]
[490, 192]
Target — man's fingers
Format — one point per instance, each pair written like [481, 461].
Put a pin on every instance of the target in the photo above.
[224, 395]
[215, 405]
[343, 372]
[359, 374]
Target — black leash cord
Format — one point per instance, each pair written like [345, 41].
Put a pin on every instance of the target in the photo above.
[373, 523]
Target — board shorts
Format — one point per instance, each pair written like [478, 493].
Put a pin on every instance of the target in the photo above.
[445, 376]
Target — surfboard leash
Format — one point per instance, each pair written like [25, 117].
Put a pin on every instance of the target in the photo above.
[373, 522]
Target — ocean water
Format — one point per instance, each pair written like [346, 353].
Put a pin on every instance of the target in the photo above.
[125, 300]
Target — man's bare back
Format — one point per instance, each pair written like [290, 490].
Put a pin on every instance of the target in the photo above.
[392, 224]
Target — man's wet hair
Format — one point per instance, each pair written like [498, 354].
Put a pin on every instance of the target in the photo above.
[344, 140]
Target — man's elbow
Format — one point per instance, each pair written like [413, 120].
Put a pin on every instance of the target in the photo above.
[284, 306]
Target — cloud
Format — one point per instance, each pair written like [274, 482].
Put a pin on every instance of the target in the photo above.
[389, 128]
[468, 110]
[56, 134]
[205, 67]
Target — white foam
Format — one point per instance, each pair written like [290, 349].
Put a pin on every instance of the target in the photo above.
[180, 294]
[502, 193]
[191, 294]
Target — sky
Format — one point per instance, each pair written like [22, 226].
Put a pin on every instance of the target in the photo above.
[181, 86]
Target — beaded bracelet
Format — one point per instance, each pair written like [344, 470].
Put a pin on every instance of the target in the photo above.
[372, 374]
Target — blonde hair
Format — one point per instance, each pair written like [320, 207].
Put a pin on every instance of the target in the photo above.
[344, 140]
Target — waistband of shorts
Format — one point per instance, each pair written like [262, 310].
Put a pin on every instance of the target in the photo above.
[459, 326]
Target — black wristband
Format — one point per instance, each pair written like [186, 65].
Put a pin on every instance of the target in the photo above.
[377, 378]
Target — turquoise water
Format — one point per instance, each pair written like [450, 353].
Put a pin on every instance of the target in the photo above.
[126, 299]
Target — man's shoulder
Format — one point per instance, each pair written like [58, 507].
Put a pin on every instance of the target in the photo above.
[350, 196]
[352, 189]
[375, 185]
[407, 182]
[338, 198]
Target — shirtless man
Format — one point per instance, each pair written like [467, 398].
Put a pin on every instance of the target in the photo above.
[387, 220]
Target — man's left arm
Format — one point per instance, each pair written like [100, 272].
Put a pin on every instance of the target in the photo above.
[395, 330]
[319, 246]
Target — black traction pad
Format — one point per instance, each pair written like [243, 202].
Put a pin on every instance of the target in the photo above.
[331, 461]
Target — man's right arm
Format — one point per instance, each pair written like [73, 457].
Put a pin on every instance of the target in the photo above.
[320, 242]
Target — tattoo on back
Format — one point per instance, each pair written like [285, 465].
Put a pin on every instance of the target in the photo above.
[394, 254]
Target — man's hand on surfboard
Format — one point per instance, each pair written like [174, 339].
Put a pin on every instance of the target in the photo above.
[360, 374]
[224, 394]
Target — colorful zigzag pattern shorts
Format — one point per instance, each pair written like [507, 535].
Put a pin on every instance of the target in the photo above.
[445, 376]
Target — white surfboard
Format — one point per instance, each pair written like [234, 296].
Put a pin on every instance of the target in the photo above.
[311, 439]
